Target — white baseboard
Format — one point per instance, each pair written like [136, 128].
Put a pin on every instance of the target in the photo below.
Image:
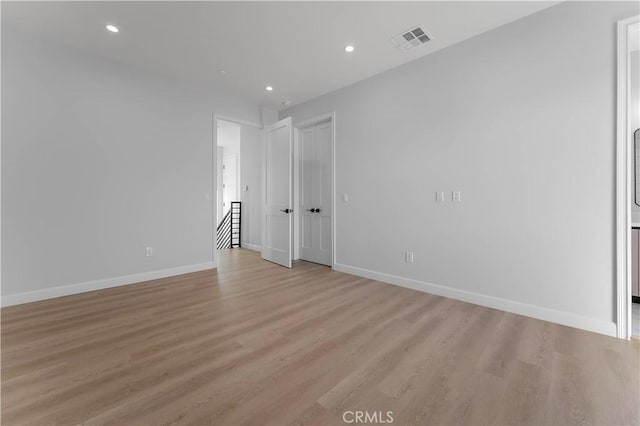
[546, 314]
[66, 290]
[250, 246]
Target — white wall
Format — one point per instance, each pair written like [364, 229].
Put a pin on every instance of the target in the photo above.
[251, 176]
[269, 116]
[521, 120]
[100, 160]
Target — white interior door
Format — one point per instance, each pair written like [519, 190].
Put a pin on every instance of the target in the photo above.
[277, 197]
[315, 193]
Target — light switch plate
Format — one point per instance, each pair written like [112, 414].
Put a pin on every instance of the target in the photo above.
[408, 256]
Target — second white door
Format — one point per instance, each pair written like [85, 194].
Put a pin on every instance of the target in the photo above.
[315, 193]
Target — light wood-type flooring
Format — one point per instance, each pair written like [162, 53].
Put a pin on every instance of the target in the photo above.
[258, 344]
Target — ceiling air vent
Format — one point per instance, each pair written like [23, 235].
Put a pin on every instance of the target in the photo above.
[410, 39]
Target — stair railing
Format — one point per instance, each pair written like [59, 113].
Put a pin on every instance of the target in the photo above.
[230, 228]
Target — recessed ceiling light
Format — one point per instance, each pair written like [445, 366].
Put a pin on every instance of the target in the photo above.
[221, 71]
[269, 89]
[112, 28]
[349, 48]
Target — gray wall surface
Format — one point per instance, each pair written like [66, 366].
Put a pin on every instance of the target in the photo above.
[251, 175]
[100, 160]
[521, 119]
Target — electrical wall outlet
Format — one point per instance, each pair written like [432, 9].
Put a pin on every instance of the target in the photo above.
[345, 198]
[456, 196]
[408, 256]
[149, 251]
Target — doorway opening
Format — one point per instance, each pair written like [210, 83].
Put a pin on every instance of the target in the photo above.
[628, 179]
[237, 183]
[229, 206]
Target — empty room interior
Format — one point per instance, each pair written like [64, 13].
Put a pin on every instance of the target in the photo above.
[320, 213]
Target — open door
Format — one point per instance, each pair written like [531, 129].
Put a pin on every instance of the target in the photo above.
[277, 199]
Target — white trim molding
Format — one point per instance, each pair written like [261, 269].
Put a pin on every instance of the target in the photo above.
[249, 246]
[315, 120]
[623, 184]
[237, 121]
[67, 290]
[533, 311]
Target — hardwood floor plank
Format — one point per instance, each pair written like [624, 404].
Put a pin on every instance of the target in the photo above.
[254, 343]
[326, 350]
[316, 415]
[432, 395]
[503, 346]
[525, 401]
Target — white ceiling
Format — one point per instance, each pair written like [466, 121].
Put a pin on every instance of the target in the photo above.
[297, 47]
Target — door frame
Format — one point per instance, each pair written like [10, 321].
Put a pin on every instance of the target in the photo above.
[297, 125]
[214, 176]
[623, 183]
